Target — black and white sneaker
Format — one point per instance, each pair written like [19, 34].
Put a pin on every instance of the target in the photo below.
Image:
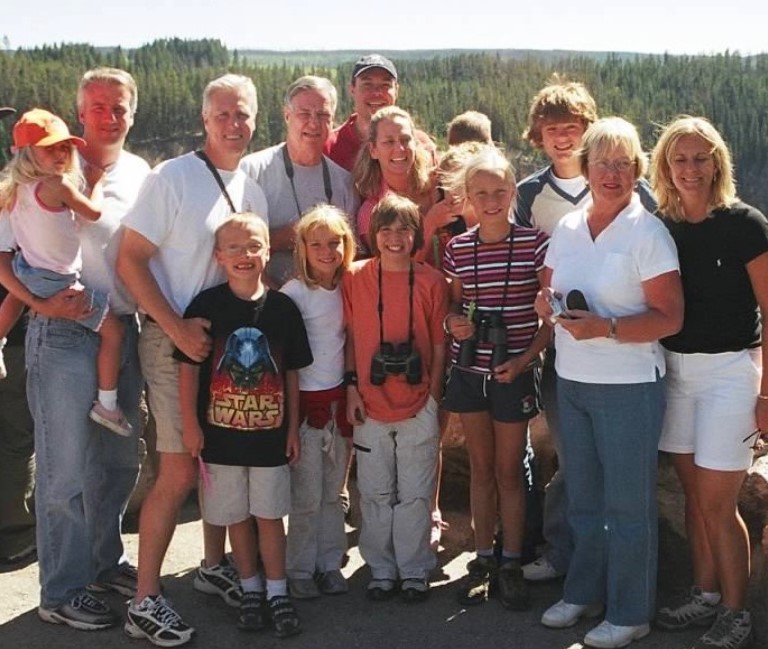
[731, 630]
[692, 610]
[154, 619]
[84, 612]
[254, 615]
[221, 580]
[285, 619]
[123, 581]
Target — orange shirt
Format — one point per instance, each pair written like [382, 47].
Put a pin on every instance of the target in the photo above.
[395, 400]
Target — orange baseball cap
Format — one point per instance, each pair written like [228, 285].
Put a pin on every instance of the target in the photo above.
[39, 127]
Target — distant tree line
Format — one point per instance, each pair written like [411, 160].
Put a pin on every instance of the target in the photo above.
[729, 89]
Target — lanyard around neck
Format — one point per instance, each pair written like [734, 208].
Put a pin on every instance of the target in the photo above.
[215, 173]
[509, 267]
[289, 171]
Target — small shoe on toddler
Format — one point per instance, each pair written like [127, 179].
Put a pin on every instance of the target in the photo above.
[113, 420]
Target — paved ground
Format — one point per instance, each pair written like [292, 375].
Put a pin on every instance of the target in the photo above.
[343, 622]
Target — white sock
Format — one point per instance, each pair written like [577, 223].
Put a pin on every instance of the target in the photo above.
[277, 588]
[108, 399]
[253, 584]
[711, 598]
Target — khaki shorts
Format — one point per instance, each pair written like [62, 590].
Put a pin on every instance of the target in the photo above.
[233, 493]
[161, 372]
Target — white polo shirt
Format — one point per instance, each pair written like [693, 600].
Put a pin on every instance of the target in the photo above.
[634, 248]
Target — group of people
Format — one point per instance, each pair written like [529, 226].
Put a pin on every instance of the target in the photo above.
[346, 289]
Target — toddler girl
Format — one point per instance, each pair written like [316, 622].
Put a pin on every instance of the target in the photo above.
[39, 194]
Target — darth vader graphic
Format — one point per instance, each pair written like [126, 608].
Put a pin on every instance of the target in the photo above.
[246, 358]
[247, 391]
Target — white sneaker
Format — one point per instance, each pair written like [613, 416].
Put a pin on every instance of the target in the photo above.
[563, 614]
[540, 570]
[611, 636]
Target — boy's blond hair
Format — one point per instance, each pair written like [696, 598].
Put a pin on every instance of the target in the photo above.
[559, 101]
[470, 126]
[244, 221]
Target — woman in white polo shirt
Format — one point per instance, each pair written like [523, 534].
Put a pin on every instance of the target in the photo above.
[610, 367]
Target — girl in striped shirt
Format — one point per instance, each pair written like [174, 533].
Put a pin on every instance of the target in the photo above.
[495, 271]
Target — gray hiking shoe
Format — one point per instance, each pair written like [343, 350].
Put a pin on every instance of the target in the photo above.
[693, 610]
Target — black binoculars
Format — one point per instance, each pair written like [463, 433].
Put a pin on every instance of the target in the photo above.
[489, 328]
[396, 359]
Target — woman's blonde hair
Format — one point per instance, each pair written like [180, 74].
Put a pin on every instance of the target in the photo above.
[24, 169]
[367, 171]
[336, 222]
[723, 192]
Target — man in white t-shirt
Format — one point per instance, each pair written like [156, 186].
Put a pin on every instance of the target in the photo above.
[165, 259]
[85, 474]
[295, 175]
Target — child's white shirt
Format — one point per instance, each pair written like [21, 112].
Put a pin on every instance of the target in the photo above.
[323, 315]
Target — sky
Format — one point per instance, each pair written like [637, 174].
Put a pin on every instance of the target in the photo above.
[654, 26]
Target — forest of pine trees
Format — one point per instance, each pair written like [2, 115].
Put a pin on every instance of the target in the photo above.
[729, 89]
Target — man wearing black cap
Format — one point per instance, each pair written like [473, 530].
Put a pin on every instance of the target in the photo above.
[17, 447]
[373, 86]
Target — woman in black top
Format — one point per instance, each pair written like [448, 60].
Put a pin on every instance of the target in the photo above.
[717, 396]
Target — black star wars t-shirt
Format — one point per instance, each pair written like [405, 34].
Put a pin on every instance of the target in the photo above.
[242, 397]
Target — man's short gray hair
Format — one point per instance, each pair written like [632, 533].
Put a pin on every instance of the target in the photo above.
[236, 83]
[311, 82]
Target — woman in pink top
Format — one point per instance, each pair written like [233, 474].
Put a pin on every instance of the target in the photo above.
[391, 161]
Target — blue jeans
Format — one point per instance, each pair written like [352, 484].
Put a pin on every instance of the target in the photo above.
[84, 473]
[557, 531]
[610, 436]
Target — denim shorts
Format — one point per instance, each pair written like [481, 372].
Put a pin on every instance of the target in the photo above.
[468, 391]
[45, 283]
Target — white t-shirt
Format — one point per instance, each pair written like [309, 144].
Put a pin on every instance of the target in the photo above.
[178, 210]
[101, 239]
[323, 315]
[267, 168]
[634, 248]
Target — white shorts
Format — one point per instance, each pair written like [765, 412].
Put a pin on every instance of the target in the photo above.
[711, 402]
[233, 493]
